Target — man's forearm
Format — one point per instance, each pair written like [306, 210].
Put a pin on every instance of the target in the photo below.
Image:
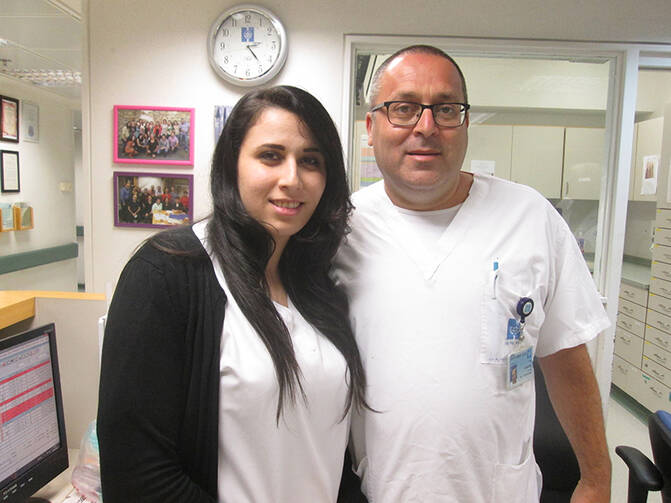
[575, 397]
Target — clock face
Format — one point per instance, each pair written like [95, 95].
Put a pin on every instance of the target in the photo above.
[247, 45]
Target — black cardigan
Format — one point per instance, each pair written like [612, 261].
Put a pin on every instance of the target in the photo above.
[158, 412]
[158, 407]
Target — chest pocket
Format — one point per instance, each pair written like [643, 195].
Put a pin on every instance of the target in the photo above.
[502, 292]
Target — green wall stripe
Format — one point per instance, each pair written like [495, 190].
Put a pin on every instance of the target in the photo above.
[33, 258]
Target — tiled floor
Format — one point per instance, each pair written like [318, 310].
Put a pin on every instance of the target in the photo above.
[626, 425]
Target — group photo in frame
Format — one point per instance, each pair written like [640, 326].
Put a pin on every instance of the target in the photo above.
[9, 119]
[156, 200]
[153, 135]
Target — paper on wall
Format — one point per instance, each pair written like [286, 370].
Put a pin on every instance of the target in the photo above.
[484, 167]
[649, 175]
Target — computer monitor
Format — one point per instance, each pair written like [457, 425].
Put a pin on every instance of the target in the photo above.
[33, 448]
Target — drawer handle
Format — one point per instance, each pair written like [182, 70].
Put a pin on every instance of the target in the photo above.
[663, 359]
[665, 326]
[626, 324]
[624, 370]
[662, 342]
[625, 339]
[627, 310]
[658, 393]
[666, 273]
[668, 238]
[666, 291]
[664, 308]
[628, 293]
[661, 376]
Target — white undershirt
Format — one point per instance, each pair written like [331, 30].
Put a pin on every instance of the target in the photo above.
[298, 460]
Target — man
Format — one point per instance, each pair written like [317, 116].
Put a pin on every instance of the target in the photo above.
[454, 280]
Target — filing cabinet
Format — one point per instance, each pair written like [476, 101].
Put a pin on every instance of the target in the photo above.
[647, 376]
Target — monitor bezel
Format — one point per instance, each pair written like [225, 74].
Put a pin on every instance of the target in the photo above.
[41, 471]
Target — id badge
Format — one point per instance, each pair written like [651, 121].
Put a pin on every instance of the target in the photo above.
[520, 367]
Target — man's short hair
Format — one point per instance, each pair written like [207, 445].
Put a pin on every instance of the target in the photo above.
[413, 49]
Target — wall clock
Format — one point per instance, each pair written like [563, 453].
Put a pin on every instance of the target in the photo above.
[247, 45]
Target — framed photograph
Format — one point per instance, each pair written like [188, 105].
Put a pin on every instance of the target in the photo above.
[152, 199]
[153, 135]
[9, 171]
[30, 121]
[221, 113]
[9, 119]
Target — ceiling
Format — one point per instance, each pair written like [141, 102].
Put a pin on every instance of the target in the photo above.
[41, 42]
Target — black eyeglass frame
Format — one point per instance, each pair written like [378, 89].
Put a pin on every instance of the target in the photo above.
[386, 104]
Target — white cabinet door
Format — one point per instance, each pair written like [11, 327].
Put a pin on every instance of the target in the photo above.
[648, 143]
[489, 144]
[537, 158]
[583, 161]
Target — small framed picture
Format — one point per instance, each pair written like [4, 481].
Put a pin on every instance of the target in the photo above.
[152, 199]
[153, 135]
[30, 121]
[9, 171]
[9, 119]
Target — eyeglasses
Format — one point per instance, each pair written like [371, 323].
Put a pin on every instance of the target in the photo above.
[407, 113]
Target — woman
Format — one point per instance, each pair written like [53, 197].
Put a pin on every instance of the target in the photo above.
[229, 367]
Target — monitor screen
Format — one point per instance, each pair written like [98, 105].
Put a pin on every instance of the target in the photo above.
[33, 448]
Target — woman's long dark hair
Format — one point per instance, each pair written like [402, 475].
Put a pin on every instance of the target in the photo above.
[244, 246]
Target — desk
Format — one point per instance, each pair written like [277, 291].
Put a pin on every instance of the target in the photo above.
[19, 305]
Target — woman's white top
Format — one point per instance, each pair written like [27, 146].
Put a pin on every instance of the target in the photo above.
[299, 459]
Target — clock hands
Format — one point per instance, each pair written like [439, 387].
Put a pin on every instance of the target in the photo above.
[250, 50]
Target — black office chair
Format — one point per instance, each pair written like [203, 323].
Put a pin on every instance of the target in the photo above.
[644, 475]
[553, 452]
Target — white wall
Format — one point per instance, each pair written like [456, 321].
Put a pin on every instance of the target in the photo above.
[154, 53]
[42, 167]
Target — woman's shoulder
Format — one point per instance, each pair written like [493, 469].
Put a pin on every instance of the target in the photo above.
[173, 246]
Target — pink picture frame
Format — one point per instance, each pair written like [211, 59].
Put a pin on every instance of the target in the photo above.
[153, 135]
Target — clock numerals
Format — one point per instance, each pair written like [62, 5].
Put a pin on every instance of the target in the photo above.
[248, 18]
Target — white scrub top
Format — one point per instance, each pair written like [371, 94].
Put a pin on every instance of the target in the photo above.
[300, 459]
[431, 328]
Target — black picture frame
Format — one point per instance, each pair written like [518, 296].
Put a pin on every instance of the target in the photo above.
[10, 180]
[9, 119]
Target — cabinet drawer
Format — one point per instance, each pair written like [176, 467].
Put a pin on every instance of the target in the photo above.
[628, 347]
[659, 304]
[663, 236]
[657, 354]
[635, 294]
[659, 321]
[660, 287]
[656, 370]
[628, 323]
[661, 270]
[661, 253]
[649, 392]
[621, 373]
[657, 337]
[663, 218]
[634, 310]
